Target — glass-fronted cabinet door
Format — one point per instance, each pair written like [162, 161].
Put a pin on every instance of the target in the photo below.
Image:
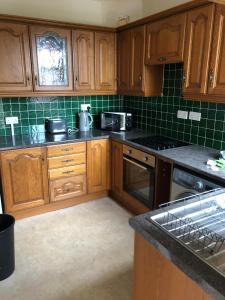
[52, 59]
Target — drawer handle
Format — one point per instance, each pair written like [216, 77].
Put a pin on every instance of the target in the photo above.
[67, 172]
[67, 160]
[129, 151]
[67, 149]
[145, 158]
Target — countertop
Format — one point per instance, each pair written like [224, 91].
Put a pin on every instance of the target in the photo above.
[193, 157]
[205, 276]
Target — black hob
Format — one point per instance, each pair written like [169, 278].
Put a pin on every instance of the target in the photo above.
[157, 142]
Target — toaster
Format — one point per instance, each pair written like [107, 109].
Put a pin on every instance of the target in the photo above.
[55, 126]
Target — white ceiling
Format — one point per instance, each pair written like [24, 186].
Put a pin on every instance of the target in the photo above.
[96, 12]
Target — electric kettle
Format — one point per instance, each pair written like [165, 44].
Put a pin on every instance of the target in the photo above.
[84, 121]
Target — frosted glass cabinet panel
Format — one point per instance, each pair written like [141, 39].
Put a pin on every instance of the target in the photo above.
[51, 49]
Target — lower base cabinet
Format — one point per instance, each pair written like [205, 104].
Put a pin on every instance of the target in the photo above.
[156, 278]
[24, 178]
[98, 165]
[66, 188]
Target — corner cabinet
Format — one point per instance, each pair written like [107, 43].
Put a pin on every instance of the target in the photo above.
[134, 77]
[117, 168]
[24, 179]
[98, 166]
[15, 73]
[165, 40]
[84, 60]
[52, 59]
[105, 61]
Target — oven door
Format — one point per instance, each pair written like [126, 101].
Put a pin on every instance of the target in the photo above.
[139, 181]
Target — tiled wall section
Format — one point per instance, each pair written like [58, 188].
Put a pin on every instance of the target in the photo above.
[33, 111]
[159, 114]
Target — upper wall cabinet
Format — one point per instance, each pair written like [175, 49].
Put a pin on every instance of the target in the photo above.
[83, 63]
[134, 77]
[217, 62]
[123, 60]
[15, 65]
[52, 59]
[165, 40]
[105, 61]
[197, 50]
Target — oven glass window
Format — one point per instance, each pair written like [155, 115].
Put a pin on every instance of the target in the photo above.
[139, 181]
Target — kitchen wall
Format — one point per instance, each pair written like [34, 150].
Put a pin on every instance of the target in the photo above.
[159, 114]
[33, 111]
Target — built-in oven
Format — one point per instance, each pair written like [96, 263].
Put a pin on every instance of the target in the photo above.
[139, 175]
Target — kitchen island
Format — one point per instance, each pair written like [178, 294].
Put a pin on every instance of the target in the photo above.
[167, 265]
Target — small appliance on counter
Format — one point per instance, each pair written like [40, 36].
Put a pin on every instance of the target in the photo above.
[53, 126]
[116, 121]
[85, 121]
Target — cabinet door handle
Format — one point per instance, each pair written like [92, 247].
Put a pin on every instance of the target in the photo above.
[140, 78]
[28, 78]
[211, 77]
[162, 58]
[76, 78]
[35, 79]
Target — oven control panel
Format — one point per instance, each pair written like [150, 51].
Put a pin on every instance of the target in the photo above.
[139, 155]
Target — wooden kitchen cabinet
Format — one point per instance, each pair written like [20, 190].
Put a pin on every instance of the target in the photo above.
[84, 66]
[15, 72]
[24, 178]
[105, 77]
[117, 168]
[217, 62]
[197, 50]
[98, 165]
[134, 77]
[52, 59]
[157, 278]
[165, 40]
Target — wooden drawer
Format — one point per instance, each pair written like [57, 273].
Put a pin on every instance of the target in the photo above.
[139, 155]
[59, 150]
[66, 188]
[68, 160]
[67, 171]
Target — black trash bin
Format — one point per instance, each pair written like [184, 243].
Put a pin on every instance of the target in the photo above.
[7, 253]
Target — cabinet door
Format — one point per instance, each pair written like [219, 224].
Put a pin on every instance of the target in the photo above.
[52, 63]
[117, 168]
[165, 40]
[137, 59]
[123, 60]
[197, 50]
[105, 61]
[98, 165]
[83, 45]
[24, 178]
[217, 62]
[15, 72]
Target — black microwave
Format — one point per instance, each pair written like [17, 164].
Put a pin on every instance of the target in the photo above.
[116, 121]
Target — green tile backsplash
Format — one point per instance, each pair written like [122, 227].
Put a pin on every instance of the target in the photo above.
[159, 114]
[33, 111]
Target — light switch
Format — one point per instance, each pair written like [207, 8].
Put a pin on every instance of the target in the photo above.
[195, 116]
[182, 114]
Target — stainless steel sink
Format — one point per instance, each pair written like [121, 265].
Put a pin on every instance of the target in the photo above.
[198, 223]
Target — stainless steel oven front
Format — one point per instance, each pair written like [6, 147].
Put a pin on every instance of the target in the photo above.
[139, 175]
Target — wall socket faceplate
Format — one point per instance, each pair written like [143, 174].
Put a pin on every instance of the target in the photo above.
[195, 116]
[84, 107]
[182, 114]
[11, 120]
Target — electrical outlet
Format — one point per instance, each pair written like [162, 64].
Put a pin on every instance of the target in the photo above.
[11, 120]
[195, 116]
[84, 107]
[182, 114]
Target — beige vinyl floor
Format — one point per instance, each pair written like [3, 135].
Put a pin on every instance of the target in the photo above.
[80, 253]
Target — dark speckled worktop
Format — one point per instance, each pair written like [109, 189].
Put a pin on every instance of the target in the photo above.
[205, 276]
[192, 157]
